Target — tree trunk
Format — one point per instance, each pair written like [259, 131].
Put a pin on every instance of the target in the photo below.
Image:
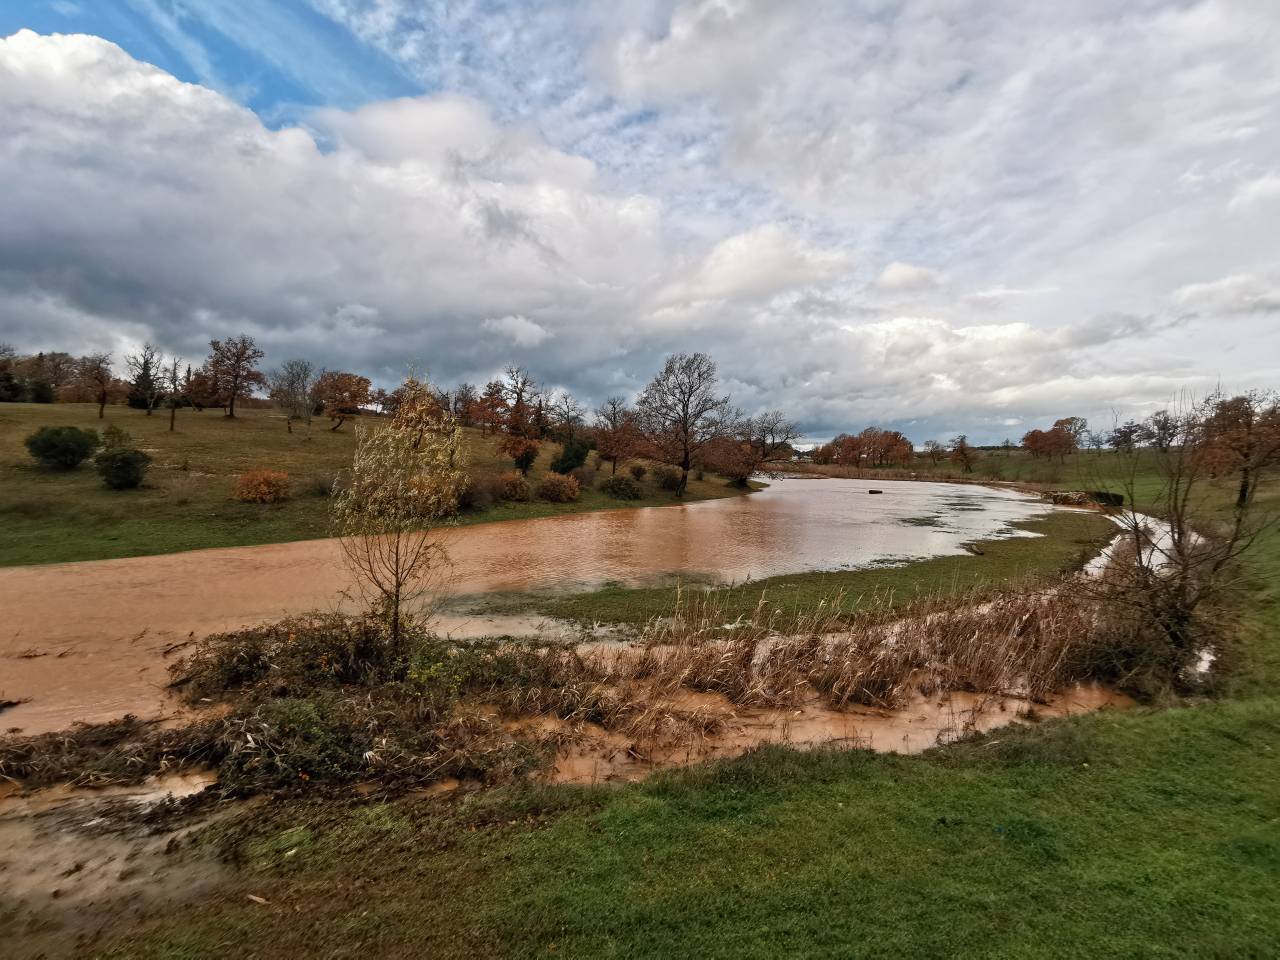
[173, 415]
[1242, 497]
[231, 406]
[102, 406]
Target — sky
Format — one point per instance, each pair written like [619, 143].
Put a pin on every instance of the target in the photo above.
[938, 216]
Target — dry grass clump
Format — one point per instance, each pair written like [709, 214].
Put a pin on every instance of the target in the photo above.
[262, 486]
[1022, 644]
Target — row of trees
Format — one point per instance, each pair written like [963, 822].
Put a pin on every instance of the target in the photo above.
[679, 419]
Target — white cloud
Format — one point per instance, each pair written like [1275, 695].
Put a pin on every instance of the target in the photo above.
[594, 187]
[1239, 293]
[519, 330]
[1259, 190]
[904, 276]
[758, 265]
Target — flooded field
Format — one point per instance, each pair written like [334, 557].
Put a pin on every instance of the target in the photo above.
[88, 641]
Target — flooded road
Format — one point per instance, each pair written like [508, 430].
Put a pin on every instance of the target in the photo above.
[88, 641]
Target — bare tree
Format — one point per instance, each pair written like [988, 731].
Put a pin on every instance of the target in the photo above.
[679, 413]
[567, 414]
[770, 434]
[616, 436]
[292, 385]
[1167, 580]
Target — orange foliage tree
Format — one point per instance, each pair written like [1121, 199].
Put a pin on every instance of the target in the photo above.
[343, 395]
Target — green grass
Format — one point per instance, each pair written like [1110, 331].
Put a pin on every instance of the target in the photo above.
[187, 503]
[1066, 539]
[1151, 833]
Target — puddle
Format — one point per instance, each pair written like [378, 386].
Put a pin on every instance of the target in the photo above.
[76, 861]
[591, 754]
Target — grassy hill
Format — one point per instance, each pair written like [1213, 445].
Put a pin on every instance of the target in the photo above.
[187, 502]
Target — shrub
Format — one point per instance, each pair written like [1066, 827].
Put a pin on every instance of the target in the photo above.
[638, 471]
[515, 486]
[322, 484]
[114, 438]
[585, 476]
[480, 493]
[41, 391]
[557, 488]
[571, 457]
[122, 468]
[621, 488]
[521, 450]
[667, 478]
[262, 486]
[62, 448]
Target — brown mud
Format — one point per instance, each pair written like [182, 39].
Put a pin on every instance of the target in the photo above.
[74, 862]
[591, 754]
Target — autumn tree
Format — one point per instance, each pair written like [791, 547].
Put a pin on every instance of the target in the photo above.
[679, 413]
[962, 453]
[1241, 434]
[292, 386]
[232, 370]
[405, 481]
[343, 395]
[1075, 427]
[464, 404]
[491, 408]
[1159, 430]
[93, 376]
[616, 434]
[1047, 444]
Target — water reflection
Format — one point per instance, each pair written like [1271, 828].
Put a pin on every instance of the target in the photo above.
[792, 526]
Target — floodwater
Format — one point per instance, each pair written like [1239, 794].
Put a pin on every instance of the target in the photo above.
[595, 755]
[90, 641]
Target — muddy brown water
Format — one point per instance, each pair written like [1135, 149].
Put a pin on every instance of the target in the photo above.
[90, 641]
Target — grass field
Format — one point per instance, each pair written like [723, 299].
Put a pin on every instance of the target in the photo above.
[1153, 832]
[187, 504]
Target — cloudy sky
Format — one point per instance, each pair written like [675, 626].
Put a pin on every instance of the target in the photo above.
[934, 215]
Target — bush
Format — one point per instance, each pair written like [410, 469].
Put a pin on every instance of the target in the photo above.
[62, 448]
[667, 478]
[480, 493]
[114, 438]
[41, 391]
[515, 486]
[621, 488]
[557, 488]
[122, 468]
[571, 457]
[585, 476]
[638, 471]
[262, 486]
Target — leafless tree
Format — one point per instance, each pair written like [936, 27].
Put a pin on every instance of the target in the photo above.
[679, 413]
[567, 414]
[770, 434]
[292, 385]
[173, 387]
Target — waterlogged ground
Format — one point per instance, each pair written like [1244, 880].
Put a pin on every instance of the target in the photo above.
[89, 641]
